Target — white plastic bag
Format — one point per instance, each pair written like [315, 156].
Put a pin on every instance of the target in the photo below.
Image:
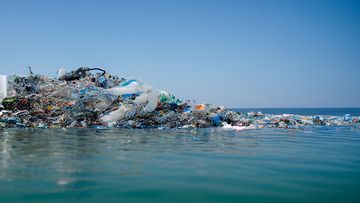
[135, 87]
[151, 98]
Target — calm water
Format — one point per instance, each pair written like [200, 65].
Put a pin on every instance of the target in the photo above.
[207, 165]
[305, 111]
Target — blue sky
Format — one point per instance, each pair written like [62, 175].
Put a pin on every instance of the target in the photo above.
[232, 53]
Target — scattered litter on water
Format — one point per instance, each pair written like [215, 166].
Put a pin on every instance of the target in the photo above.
[93, 98]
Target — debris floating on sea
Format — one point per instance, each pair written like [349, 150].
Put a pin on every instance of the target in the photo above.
[92, 98]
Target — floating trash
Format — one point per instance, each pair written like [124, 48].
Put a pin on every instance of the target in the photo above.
[92, 98]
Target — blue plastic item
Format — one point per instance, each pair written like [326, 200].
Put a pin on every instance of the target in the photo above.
[102, 82]
[347, 117]
[126, 83]
[216, 119]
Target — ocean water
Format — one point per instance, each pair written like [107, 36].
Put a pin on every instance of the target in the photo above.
[305, 111]
[320, 164]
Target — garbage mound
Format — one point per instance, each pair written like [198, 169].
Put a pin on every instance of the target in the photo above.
[90, 97]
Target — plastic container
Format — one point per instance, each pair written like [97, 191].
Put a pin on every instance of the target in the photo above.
[3, 87]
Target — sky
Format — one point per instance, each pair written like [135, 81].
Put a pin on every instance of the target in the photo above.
[245, 54]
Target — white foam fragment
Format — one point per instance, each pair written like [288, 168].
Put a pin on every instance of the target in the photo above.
[237, 128]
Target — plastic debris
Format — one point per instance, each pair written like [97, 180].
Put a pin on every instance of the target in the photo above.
[3, 87]
[92, 98]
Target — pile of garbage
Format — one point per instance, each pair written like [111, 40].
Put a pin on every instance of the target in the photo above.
[92, 98]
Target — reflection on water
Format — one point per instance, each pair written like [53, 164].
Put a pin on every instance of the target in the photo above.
[209, 165]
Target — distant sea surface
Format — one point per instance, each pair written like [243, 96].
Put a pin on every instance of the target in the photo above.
[319, 164]
[305, 111]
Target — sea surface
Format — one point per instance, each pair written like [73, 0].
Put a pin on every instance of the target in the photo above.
[319, 164]
[305, 111]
